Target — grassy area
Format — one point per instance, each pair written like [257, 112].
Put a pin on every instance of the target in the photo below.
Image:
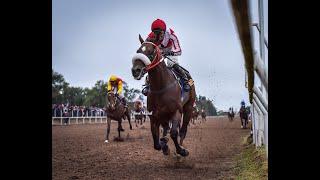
[252, 162]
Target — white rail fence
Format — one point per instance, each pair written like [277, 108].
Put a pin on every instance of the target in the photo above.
[254, 63]
[67, 120]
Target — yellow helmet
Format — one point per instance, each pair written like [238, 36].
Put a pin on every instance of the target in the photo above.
[113, 78]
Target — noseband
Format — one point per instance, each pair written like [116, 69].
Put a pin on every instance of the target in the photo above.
[115, 99]
[156, 60]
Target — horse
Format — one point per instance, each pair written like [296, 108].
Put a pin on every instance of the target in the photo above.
[166, 99]
[195, 114]
[243, 117]
[138, 113]
[115, 111]
[203, 116]
[231, 115]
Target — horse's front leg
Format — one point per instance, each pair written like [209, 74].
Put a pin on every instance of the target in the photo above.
[164, 140]
[129, 119]
[108, 129]
[155, 133]
[174, 134]
[120, 126]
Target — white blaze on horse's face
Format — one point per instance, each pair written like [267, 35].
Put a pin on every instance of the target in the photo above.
[139, 62]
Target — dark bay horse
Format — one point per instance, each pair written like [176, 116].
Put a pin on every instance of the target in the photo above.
[231, 115]
[166, 101]
[115, 111]
[203, 116]
[138, 113]
[243, 117]
[195, 114]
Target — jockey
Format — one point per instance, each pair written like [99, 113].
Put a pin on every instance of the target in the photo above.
[115, 85]
[169, 46]
[243, 103]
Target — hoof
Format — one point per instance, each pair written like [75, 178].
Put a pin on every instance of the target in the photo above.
[157, 147]
[183, 152]
[165, 150]
[121, 129]
[106, 141]
[119, 139]
[164, 139]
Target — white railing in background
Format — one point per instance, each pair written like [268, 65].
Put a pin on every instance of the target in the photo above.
[254, 63]
[79, 120]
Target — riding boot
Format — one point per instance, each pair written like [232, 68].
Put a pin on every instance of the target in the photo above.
[183, 75]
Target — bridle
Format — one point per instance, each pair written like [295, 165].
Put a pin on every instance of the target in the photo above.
[115, 99]
[156, 60]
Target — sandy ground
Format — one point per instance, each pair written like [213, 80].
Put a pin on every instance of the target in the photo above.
[79, 152]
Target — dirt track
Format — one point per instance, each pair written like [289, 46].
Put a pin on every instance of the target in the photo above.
[79, 152]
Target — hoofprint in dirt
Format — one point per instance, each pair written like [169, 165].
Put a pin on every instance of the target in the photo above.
[79, 152]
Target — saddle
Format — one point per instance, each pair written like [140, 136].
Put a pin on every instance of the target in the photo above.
[180, 79]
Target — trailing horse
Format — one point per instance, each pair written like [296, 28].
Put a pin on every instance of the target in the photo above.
[138, 113]
[166, 99]
[231, 115]
[195, 114]
[243, 117]
[203, 116]
[115, 111]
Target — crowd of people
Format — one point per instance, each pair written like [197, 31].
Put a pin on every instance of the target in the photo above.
[67, 110]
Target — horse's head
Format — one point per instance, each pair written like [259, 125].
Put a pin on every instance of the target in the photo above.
[138, 106]
[112, 100]
[147, 57]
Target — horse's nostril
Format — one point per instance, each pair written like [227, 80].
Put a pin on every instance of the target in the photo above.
[136, 72]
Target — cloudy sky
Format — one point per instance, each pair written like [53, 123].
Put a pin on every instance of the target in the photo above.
[92, 39]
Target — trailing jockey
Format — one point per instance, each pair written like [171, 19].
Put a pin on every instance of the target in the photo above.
[115, 85]
[169, 46]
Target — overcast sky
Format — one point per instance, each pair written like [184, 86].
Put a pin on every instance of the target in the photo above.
[92, 39]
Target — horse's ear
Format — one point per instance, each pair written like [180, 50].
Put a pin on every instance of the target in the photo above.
[141, 39]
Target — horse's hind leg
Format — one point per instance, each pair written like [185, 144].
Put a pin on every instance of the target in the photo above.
[174, 134]
[186, 118]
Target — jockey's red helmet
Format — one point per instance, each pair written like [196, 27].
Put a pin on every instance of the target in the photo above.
[158, 24]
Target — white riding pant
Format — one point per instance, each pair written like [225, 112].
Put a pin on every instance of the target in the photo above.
[174, 60]
[115, 90]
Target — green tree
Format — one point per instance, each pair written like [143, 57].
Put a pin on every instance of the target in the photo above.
[97, 95]
[203, 103]
[59, 85]
[130, 93]
[74, 95]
